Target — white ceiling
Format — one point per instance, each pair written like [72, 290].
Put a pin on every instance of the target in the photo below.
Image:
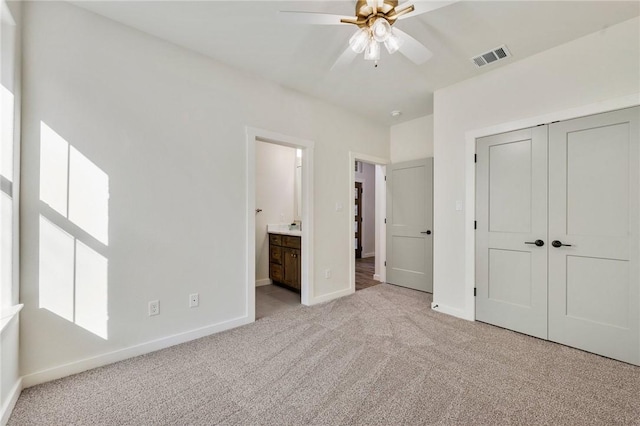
[249, 35]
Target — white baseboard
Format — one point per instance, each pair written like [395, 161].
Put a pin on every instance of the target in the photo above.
[130, 352]
[330, 296]
[451, 311]
[376, 277]
[264, 281]
[365, 255]
[8, 406]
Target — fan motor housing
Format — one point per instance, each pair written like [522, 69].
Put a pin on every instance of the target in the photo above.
[363, 10]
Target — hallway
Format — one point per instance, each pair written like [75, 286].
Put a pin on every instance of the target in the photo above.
[365, 269]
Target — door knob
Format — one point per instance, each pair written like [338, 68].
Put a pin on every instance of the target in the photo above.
[426, 232]
[538, 243]
[557, 244]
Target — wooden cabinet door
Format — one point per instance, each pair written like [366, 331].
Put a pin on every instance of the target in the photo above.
[291, 260]
[275, 255]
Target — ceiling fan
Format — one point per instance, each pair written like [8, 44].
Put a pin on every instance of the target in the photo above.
[375, 19]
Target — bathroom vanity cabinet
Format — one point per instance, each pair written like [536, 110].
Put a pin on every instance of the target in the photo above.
[285, 261]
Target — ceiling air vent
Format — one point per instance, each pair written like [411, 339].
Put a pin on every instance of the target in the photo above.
[491, 56]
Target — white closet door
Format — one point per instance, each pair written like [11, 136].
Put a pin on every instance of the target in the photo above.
[593, 211]
[511, 213]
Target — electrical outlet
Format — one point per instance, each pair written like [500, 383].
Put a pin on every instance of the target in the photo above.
[154, 308]
[327, 273]
[194, 300]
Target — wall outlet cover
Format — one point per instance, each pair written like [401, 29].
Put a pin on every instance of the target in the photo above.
[194, 300]
[154, 308]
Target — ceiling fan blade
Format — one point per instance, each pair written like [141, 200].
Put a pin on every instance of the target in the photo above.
[420, 7]
[344, 59]
[313, 18]
[412, 48]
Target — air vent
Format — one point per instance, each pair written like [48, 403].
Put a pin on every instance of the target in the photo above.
[491, 56]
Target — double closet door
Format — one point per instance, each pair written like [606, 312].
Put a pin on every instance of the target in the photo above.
[557, 236]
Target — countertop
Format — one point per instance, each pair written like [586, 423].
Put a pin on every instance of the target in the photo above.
[283, 229]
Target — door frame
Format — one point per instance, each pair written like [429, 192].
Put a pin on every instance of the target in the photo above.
[253, 136]
[469, 312]
[381, 232]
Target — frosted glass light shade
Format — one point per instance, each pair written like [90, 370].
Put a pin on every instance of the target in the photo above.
[393, 43]
[381, 29]
[359, 40]
[372, 52]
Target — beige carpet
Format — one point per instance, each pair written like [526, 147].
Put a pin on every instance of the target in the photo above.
[380, 356]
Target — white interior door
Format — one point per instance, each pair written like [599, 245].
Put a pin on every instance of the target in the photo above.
[511, 214]
[409, 224]
[593, 212]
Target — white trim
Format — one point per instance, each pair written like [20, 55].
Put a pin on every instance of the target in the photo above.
[460, 313]
[258, 135]
[331, 296]
[365, 255]
[376, 277]
[130, 352]
[469, 312]
[5, 15]
[8, 314]
[264, 281]
[381, 227]
[353, 156]
[10, 404]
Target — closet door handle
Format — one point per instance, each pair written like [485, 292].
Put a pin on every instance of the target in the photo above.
[426, 232]
[538, 243]
[557, 244]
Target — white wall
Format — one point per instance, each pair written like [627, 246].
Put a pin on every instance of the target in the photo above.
[368, 179]
[601, 66]
[167, 126]
[10, 78]
[275, 172]
[412, 140]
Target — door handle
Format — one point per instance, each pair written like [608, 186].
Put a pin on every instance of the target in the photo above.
[538, 243]
[426, 232]
[557, 244]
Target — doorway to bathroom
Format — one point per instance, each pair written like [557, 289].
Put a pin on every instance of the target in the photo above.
[279, 223]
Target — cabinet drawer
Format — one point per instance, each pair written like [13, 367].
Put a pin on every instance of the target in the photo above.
[275, 239]
[292, 242]
[276, 272]
[275, 254]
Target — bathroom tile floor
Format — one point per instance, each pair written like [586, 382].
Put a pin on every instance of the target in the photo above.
[271, 299]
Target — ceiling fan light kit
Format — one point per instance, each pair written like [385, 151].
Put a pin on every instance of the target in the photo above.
[360, 40]
[393, 43]
[372, 52]
[368, 37]
[380, 30]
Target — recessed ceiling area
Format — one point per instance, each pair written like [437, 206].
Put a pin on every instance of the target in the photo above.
[252, 37]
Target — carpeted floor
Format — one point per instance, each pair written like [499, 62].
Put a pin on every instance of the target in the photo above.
[380, 356]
